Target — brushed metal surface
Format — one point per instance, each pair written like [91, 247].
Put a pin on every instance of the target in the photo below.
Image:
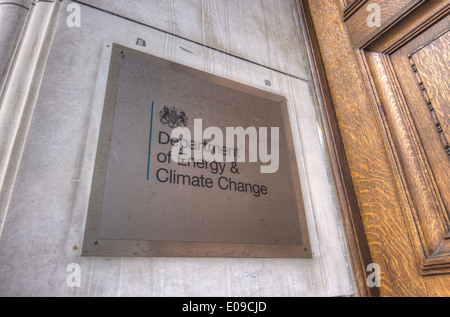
[137, 210]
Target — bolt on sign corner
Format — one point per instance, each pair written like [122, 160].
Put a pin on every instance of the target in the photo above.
[190, 164]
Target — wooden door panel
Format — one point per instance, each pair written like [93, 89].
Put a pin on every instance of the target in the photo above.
[406, 64]
[409, 81]
[432, 65]
[394, 131]
[419, 68]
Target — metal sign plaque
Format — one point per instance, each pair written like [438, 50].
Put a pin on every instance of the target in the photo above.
[190, 164]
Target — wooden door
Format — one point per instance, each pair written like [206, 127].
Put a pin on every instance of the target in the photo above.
[389, 81]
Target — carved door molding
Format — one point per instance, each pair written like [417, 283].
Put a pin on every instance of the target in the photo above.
[389, 89]
[415, 124]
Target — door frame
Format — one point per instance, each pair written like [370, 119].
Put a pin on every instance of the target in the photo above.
[354, 231]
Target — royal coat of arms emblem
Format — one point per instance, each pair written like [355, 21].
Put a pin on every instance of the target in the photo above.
[173, 117]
